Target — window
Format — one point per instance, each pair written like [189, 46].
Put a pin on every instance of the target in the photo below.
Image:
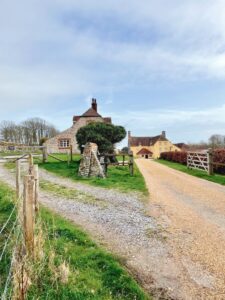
[65, 143]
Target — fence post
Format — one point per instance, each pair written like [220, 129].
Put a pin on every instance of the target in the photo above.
[131, 165]
[71, 153]
[18, 179]
[36, 188]
[28, 213]
[30, 160]
[45, 154]
[68, 158]
[210, 161]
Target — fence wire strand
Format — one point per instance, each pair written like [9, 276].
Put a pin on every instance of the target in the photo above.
[7, 241]
[6, 223]
[4, 295]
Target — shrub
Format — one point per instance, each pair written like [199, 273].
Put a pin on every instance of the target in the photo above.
[104, 135]
[219, 157]
[181, 157]
[177, 156]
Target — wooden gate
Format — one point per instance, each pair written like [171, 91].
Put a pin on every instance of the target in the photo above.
[201, 161]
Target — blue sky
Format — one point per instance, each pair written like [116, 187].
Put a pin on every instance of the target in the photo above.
[152, 65]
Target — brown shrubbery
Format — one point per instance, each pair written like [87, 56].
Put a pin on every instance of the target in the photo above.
[219, 157]
[181, 157]
[177, 156]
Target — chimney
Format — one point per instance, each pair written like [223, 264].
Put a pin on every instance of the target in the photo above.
[129, 134]
[94, 104]
[163, 134]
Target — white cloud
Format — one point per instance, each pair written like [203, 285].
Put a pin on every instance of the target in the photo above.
[191, 125]
[44, 59]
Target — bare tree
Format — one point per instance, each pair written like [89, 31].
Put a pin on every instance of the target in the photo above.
[217, 140]
[29, 132]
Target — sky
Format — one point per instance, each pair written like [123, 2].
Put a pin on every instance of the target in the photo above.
[152, 65]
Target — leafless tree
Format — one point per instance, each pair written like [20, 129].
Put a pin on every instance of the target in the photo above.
[29, 132]
[217, 140]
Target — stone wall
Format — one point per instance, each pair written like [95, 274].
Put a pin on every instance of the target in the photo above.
[90, 165]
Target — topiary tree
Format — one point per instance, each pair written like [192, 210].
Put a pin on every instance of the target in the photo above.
[104, 135]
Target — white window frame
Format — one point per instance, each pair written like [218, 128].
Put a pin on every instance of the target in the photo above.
[64, 143]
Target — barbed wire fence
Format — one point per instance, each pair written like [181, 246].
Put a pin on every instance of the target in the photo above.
[17, 234]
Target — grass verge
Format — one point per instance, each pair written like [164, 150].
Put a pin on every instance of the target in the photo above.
[118, 177]
[93, 273]
[197, 173]
[71, 194]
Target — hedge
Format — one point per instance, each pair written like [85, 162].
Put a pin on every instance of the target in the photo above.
[181, 157]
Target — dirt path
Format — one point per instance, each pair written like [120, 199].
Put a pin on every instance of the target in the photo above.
[192, 211]
[152, 244]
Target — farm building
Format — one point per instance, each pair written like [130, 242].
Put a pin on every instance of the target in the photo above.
[150, 147]
[62, 141]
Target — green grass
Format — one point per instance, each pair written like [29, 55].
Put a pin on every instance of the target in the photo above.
[6, 206]
[93, 273]
[72, 194]
[118, 177]
[197, 173]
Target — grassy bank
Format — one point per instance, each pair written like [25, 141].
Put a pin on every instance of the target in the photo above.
[6, 207]
[92, 272]
[197, 173]
[118, 177]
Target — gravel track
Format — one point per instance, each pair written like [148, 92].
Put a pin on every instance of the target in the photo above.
[141, 233]
[193, 212]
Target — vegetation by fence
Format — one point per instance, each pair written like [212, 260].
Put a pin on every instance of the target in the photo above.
[210, 161]
[122, 159]
[21, 236]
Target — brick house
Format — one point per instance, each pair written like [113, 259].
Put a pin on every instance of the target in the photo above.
[150, 147]
[61, 142]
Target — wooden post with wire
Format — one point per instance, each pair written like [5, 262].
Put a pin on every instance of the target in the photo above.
[18, 179]
[36, 188]
[28, 213]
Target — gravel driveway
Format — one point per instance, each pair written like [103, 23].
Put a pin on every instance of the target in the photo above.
[192, 211]
[157, 239]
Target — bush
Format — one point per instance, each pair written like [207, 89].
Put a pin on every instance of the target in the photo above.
[219, 157]
[104, 135]
[177, 156]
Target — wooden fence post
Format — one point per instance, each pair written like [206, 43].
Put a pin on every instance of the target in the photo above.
[30, 160]
[131, 165]
[106, 165]
[45, 154]
[210, 161]
[28, 213]
[18, 179]
[68, 158]
[71, 153]
[36, 188]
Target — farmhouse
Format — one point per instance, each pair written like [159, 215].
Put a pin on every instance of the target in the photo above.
[150, 147]
[67, 138]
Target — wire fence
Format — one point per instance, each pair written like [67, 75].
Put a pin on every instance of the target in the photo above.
[17, 233]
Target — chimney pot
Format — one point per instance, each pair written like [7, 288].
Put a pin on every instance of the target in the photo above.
[94, 104]
[164, 134]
